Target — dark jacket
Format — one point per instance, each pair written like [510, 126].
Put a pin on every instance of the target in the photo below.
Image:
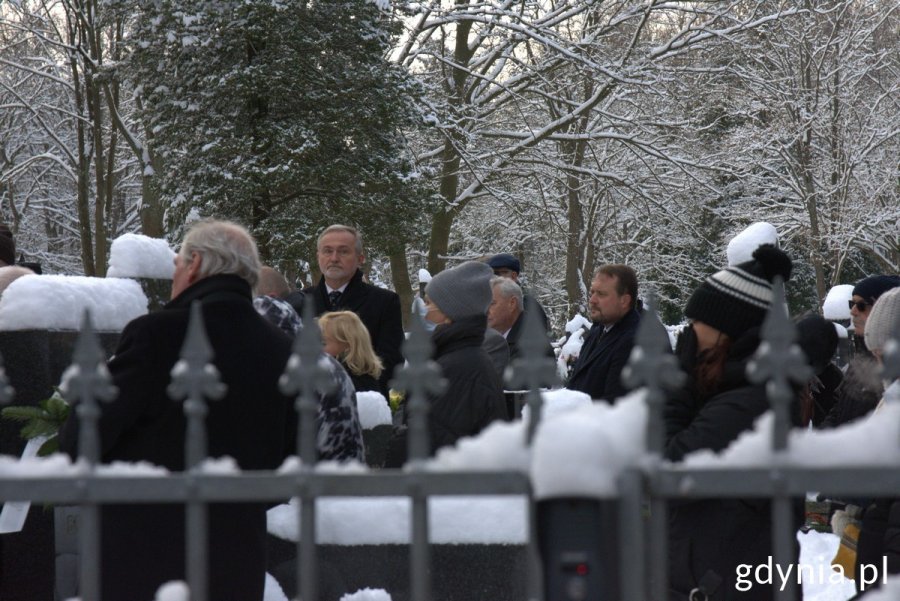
[710, 538]
[878, 545]
[598, 370]
[378, 309]
[859, 391]
[473, 397]
[514, 337]
[143, 545]
[497, 349]
[823, 392]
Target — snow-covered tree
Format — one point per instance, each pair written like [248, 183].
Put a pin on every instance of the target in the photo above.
[284, 115]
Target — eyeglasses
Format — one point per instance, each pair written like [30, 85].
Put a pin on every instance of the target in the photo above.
[860, 305]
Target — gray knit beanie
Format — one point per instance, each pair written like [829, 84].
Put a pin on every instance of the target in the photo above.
[883, 323]
[462, 291]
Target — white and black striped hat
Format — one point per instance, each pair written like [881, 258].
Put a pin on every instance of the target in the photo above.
[737, 298]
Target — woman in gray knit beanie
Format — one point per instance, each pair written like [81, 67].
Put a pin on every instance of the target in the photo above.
[460, 292]
[457, 300]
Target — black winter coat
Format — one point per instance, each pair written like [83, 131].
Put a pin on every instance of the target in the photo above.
[598, 370]
[473, 397]
[514, 336]
[860, 390]
[143, 545]
[710, 538]
[378, 309]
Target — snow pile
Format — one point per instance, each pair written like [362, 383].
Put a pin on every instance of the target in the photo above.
[869, 441]
[581, 452]
[174, 590]
[820, 582]
[273, 590]
[836, 306]
[386, 520]
[500, 446]
[578, 322]
[557, 402]
[137, 469]
[741, 247]
[577, 328]
[424, 276]
[367, 594]
[57, 464]
[842, 332]
[139, 256]
[373, 409]
[58, 302]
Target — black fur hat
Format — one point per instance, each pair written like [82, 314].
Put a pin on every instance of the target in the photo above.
[736, 299]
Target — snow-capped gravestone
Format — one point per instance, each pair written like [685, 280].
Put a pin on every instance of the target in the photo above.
[39, 320]
[150, 261]
[478, 543]
[837, 302]
[740, 248]
[377, 423]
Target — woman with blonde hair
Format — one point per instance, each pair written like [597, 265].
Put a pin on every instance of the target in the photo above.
[347, 340]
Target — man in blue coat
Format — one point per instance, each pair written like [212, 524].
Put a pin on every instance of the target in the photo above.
[613, 306]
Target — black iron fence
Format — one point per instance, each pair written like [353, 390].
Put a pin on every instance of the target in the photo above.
[613, 548]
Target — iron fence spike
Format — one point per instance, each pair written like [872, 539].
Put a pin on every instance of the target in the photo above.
[420, 377]
[778, 362]
[653, 366]
[88, 383]
[533, 369]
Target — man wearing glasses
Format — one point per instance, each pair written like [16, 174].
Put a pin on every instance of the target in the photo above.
[340, 255]
[861, 388]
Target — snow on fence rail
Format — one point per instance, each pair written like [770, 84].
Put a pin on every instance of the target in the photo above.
[564, 448]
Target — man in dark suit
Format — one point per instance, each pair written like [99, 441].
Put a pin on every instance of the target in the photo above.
[613, 306]
[143, 545]
[341, 288]
[506, 313]
[508, 266]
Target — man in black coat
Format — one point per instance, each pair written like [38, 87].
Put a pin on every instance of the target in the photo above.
[613, 306]
[341, 288]
[143, 546]
[506, 313]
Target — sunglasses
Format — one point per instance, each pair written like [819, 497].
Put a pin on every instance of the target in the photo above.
[860, 305]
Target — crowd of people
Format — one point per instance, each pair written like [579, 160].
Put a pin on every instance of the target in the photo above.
[475, 312]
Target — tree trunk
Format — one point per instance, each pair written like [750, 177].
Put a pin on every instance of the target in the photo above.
[402, 282]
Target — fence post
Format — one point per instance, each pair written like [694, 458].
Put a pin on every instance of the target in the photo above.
[420, 377]
[653, 366]
[195, 379]
[778, 362]
[306, 377]
[89, 383]
[533, 370]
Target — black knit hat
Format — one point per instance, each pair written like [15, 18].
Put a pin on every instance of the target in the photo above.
[819, 340]
[737, 298]
[7, 245]
[872, 287]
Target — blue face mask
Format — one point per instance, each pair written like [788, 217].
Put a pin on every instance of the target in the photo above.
[419, 307]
